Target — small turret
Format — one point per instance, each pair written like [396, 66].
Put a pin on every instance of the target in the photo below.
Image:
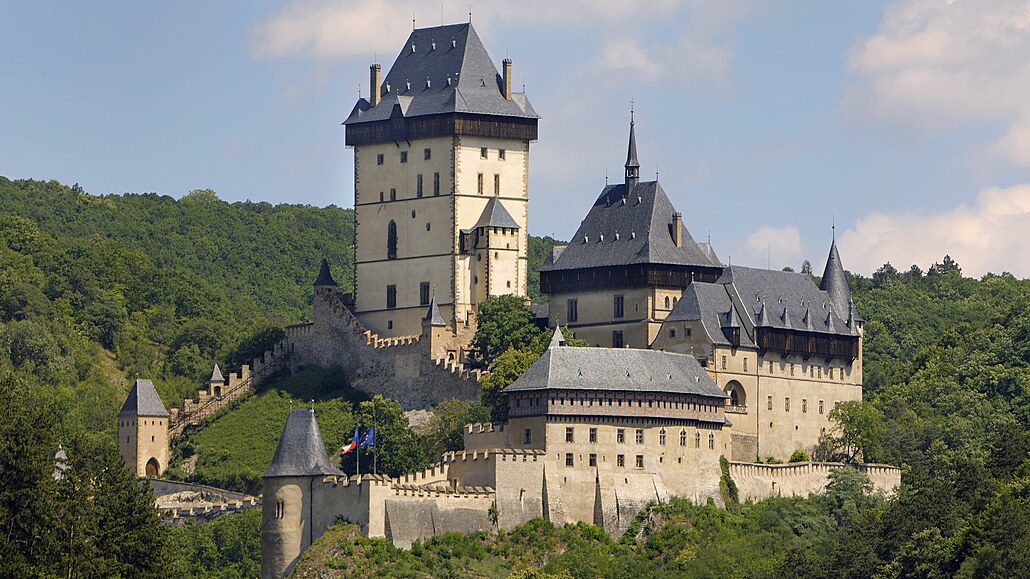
[215, 382]
[731, 326]
[325, 278]
[557, 339]
[834, 282]
[632, 165]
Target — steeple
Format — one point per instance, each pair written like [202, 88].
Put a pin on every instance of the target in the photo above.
[324, 277]
[557, 340]
[433, 316]
[216, 375]
[632, 165]
[834, 282]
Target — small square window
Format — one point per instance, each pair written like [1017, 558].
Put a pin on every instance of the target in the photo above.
[379, 159]
[389, 324]
[672, 332]
[593, 460]
[404, 156]
[688, 332]
[500, 154]
[482, 153]
[620, 460]
[640, 461]
[568, 459]
[620, 436]
[428, 154]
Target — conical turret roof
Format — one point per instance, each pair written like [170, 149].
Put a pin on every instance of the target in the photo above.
[216, 375]
[324, 277]
[835, 283]
[557, 340]
[301, 451]
[433, 316]
[631, 154]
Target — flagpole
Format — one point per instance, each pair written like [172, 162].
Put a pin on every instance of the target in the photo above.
[375, 452]
[357, 454]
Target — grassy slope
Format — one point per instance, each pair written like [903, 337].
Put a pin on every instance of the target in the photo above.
[235, 449]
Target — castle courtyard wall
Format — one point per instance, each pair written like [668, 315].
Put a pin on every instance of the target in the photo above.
[760, 481]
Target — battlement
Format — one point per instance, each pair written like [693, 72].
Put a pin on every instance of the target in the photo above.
[485, 454]
[212, 398]
[298, 330]
[436, 472]
[484, 427]
[375, 341]
[759, 481]
[379, 480]
[442, 491]
[457, 368]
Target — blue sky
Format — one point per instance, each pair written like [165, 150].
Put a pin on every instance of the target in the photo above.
[906, 122]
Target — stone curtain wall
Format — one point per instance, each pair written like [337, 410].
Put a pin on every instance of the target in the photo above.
[759, 481]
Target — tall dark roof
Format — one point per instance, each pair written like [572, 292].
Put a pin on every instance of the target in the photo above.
[835, 283]
[626, 226]
[433, 316]
[632, 164]
[301, 451]
[143, 400]
[495, 215]
[616, 369]
[324, 277]
[454, 76]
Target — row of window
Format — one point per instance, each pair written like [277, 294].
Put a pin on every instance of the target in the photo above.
[786, 404]
[423, 295]
[620, 436]
[611, 402]
[620, 459]
[124, 423]
[427, 154]
[419, 188]
[812, 370]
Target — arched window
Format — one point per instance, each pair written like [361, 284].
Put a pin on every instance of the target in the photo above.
[661, 437]
[736, 393]
[711, 441]
[683, 437]
[391, 241]
[697, 440]
[666, 302]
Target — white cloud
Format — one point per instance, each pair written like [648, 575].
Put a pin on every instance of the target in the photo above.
[988, 236]
[777, 245]
[933, 64]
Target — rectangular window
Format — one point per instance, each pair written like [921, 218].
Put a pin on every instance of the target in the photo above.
[593, 460]
[569, 434]
[792, 369]
[418, 186]
[745, 364]
[500, 154]
[527, 436]
[620, 460]
[770, 403]
[688, 332]
[820, 407]
[804, 405]
[640, 436]
[379, 159]
[620, 436]
[724, 362]
[436, 183]
[593, 432]
[786, 404]
[428, 154]
[404, 156]
[640, 461]
[617, 341]
[497, 184]
[482, 153]
[423, 293]
[391, 296]
[672, 332]
[479, 183]
[711, 442]
[568, 459]
[393, 194]
[572, 315]
[618, 306]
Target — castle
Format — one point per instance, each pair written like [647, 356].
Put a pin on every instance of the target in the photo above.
[693, 360]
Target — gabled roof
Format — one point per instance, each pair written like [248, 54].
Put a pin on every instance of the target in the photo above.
[495, 215]
[143, 400]
[324, 277]
[616, 369]
[626, 227]
[433, 316]
[454, 76]
[835, 283]
[301, 451]
[708, 303]
[793, 300]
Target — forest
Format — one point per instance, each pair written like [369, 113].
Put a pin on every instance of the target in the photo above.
[98, 290]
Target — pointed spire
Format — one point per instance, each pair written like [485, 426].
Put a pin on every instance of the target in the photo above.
[852, 316]
[785, 317]
[433, 316]
[807, 319]
[632, 165]
[732, 319]
[830, 326]
[216, 375]
[324, 277]
[834, 282]
[762, 316]
[557, 340]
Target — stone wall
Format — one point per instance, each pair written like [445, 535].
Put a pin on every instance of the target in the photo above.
[401, 367]
[759, 481]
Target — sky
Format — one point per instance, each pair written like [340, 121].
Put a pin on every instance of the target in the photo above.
[905, 124]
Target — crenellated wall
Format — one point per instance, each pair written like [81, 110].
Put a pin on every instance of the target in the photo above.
[759, 481]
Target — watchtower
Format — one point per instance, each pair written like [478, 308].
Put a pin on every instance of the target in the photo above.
[143, 431]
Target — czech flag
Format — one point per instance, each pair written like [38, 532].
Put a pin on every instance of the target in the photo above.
[352, 445]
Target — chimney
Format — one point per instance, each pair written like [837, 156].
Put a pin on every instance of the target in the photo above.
[677, 229]
[373, 84]
[507, 78]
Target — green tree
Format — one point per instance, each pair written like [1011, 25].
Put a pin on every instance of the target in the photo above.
[398, 449]
[503, 322]
[858, 430]
[447, 426]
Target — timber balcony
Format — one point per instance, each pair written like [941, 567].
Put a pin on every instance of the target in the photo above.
[735, 409]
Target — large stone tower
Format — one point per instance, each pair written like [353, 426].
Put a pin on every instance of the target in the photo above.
[441, 183]
[143, 431]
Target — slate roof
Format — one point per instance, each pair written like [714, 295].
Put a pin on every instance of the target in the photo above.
[216, 375]
[495, 215]
[301, 451]
[418, 80]
[708, 303]
[540, 311]
[835, 283]
[616, 369]
[143, 400]
[324, 277]
[636, 231]
[433, 316]
[793, 294]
